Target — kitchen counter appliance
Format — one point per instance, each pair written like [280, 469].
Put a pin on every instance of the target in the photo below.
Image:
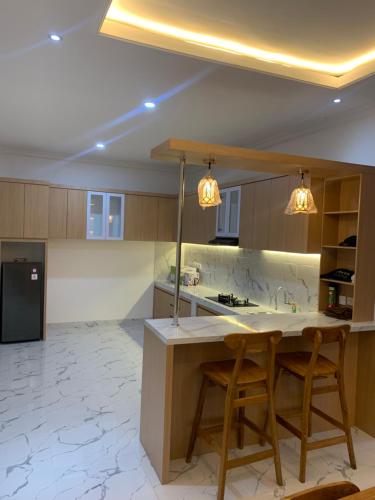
[231, 301]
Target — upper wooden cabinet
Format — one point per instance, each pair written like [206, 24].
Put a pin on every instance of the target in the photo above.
[36, 211]
[57, 213]
[261, 215]
[264, 225]
[76, 214]
[167, 219]
[12, 209]
[141, 217]
[198, 226]
[24, 210]
[247, 216]
[150, 218]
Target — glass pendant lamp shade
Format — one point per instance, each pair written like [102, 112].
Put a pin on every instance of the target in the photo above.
[208, 191]
[301, 200]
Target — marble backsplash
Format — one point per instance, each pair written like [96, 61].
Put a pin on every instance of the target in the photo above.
[250, 273]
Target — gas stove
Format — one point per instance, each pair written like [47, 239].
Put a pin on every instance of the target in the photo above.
[231, 301]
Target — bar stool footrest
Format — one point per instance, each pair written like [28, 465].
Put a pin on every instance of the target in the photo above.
[328, 418]
[249, 459]
[290, 427]
[323, 443]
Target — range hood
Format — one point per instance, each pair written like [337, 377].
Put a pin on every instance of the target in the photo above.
[224, 241]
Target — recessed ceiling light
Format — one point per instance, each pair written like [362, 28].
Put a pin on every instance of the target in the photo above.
[55, 37]
[337, 100]
[149, 105]
[100, 145]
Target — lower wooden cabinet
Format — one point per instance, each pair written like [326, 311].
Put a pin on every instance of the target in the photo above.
[203, 311]
[163, 305]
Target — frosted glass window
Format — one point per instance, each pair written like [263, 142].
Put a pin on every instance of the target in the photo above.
[115, 217]
[96, 216]
[233, 212]
[221, 214]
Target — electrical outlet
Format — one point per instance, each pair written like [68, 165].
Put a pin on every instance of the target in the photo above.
[349, 301]
[342, 300]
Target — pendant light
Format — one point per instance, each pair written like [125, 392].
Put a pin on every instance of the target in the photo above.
[208, 190]
[301, 200]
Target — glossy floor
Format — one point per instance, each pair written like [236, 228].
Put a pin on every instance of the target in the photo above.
[69, 428]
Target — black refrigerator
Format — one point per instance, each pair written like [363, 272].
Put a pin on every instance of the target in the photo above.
[22, 301]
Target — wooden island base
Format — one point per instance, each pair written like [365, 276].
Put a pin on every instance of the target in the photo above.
[171, 380]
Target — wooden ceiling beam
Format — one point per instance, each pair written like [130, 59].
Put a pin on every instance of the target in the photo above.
[197, 153]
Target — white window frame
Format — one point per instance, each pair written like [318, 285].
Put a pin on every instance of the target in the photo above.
[105, 224]
[226, 232]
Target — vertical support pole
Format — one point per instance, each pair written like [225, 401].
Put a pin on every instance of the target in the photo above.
[181, 197]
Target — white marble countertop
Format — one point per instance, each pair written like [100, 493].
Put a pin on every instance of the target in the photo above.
[215, 328]
[197, 295]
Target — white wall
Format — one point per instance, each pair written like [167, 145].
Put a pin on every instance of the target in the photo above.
[132, 178]
[351, 141]
[99, 280]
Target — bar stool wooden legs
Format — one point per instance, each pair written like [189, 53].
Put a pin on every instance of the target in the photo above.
[309, 367]
[238, 377]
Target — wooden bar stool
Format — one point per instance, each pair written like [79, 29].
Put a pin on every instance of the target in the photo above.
[237, 377]
[308, 367]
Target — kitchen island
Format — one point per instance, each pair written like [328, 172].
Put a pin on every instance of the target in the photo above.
[171, 376]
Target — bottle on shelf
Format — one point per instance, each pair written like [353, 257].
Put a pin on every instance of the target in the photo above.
[332, 297]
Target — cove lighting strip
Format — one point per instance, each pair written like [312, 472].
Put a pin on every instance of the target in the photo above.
[117, 14]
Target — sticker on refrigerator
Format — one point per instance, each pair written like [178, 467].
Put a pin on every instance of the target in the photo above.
[34, 277]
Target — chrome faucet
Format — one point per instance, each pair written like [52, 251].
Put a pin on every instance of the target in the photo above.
[277, 291]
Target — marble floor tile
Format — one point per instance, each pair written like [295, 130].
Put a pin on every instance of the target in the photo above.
[69, 428]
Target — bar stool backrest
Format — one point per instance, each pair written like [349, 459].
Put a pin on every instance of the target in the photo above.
[327, 335]
[244, 343]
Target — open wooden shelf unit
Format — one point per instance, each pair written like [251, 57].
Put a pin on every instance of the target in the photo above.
[348, 209]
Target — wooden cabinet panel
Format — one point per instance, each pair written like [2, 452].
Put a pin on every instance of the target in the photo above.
[76, 218]
[141, 217]
[36, 211]
[57, 213]
[163, 305]
[199, 226]
[279, 197]
[261, 219]
[264, 225]
[12, 208]
[202, 311]
[167, 219]
[296, 229]
[247, 216]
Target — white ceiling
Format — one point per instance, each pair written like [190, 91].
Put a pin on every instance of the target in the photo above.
[62, 99]
[327, 43]
[331, 31]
